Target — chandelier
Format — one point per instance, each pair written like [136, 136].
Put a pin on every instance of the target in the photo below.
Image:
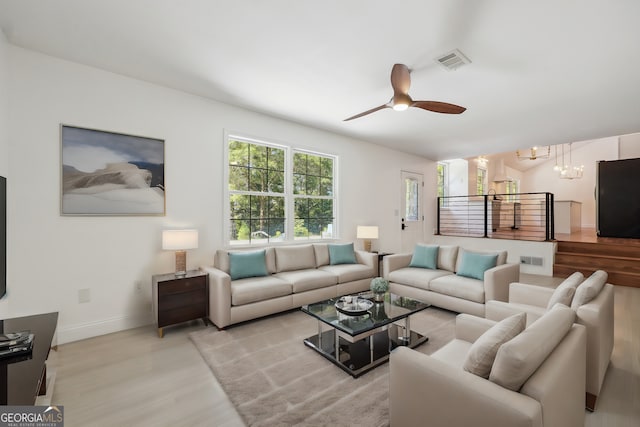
[568, 170]
[534, 153]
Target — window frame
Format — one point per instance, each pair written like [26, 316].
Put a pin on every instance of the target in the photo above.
[289, 196]
[445, 183]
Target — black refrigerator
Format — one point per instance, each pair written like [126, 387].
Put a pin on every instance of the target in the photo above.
[618, 198]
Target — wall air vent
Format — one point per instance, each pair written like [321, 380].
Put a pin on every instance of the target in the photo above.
[452, 60]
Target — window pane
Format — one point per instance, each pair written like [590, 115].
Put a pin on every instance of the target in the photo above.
[300, 228]
[313, 185]
[276, 181]
[239, 232]
[276, 207]
[315, 208]
[327, 209]
[258, 156]
[315, 229]
[313, 165]
[276, 229]
[300, 163]
[327, 167]
[276, 159]
[238, 153]
[411, 186]
[259, 231]
[299, 184]
[239, 206]
[258, 180]
[326, 187]
[301, 207]
[238, 178]
[259, 206]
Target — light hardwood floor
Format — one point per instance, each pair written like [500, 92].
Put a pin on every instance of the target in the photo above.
[134, 378]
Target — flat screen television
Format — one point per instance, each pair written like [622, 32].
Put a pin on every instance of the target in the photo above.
[618, 198]
[3, 236]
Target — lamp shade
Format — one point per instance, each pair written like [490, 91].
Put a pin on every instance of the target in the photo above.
[367, 232]
[179, 239]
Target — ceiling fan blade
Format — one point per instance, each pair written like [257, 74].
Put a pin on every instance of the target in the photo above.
[373, 110]
[439, 107]
[400, 79]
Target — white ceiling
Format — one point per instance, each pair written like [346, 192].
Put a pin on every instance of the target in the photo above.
[542, 72]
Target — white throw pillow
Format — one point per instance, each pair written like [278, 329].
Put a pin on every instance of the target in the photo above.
[589, 289]
[519, 358]
[565, 290]
[483, 351]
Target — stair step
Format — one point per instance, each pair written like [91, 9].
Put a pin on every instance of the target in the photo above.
[602, 262]
[631, 250]
[622, 278]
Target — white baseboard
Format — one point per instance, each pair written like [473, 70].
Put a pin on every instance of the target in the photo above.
[68, 334]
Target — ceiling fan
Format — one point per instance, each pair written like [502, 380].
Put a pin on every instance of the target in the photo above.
[400, 81]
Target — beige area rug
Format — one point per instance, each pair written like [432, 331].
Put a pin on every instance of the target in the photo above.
[273, 379]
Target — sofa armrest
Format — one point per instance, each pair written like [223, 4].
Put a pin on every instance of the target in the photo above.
[522, 293]
[394, 262]
[469, 328]
[369, 259]
[597, 317]
[219, 296]
[497, 280]
[422, 390]
[499, 310]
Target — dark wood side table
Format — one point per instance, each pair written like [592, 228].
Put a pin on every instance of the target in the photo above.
[380, 256]
[179, 299]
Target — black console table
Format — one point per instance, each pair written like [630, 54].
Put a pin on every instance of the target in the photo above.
[22, 376]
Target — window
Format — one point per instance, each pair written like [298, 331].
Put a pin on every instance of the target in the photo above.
[443, 182]
[313, 196]
[481, 181]
[268, 200]
[511, 189]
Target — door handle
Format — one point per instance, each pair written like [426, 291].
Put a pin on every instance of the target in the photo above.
[403, 225]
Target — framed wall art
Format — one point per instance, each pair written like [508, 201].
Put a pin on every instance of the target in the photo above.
[109, 173]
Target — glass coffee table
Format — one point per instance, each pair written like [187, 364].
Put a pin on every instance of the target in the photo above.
[362, 335]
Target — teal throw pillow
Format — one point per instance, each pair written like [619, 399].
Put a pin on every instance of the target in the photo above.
[474, 265]
[425, 256]
[342, 254]
[247, 264]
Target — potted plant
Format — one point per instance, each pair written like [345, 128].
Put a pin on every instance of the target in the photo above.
[379, 286]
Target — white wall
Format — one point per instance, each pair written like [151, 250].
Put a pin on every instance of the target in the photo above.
[4, 135]
[542, 178]
[630, 146]
[52, 257]
[458, 177]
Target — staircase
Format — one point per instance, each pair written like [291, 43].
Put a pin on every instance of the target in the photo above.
[620, 259]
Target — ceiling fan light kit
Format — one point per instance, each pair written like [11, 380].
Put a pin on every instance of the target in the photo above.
[401, 81]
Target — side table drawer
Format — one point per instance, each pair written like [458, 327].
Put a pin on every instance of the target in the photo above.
[182, 299]
[180, 314]
[182, 285]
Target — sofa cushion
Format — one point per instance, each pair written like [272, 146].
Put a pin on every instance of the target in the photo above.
[565, 290]
[483, 351]
[342, 254]
[306, 280]
[519, 358]
[254, 289]
[589, 289]
[222, 259]
[322, 254]
[447, 256]
[425, 256]
[348, 272]
[291, 258]
[453, 353]
[247, 264]
[502, 256]
[460, 287]
[474, 265]
[416, 277]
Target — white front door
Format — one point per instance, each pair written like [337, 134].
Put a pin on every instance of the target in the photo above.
[411, 214]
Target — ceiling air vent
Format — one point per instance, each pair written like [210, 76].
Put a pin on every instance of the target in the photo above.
[452, 60]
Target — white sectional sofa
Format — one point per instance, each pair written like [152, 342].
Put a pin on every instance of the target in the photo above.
[295, 275]
[445, 285]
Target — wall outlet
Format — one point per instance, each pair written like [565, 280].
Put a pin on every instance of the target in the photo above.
[84, 295]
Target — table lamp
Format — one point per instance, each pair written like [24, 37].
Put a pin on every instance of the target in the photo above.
[367, 233]
[180, 241]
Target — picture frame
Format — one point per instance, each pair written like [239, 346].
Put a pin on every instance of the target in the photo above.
[106, 173]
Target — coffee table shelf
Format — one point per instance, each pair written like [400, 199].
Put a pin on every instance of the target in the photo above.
[358, 344]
